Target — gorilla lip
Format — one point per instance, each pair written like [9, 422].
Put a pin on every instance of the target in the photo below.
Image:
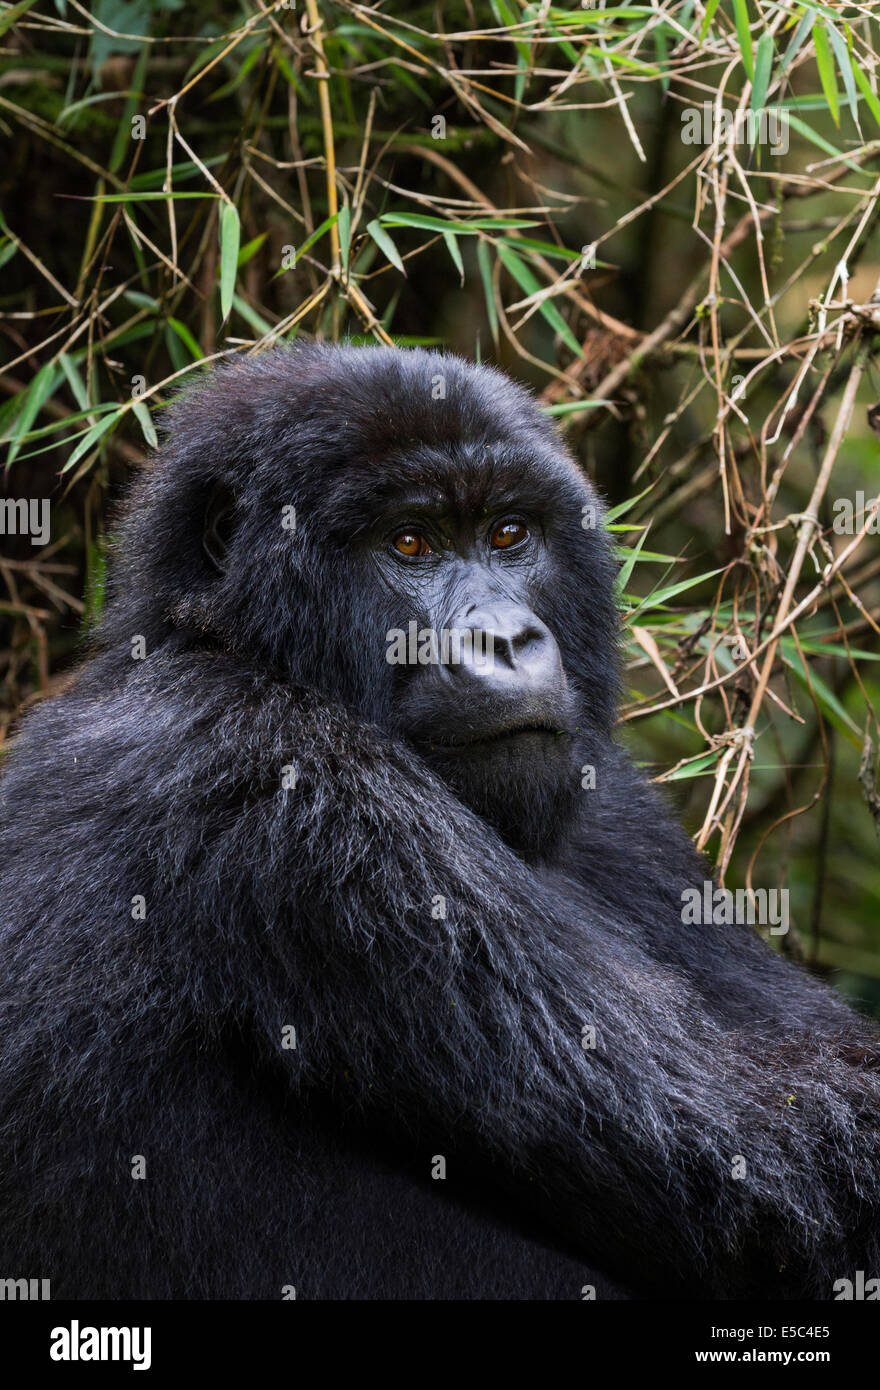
[498, 735]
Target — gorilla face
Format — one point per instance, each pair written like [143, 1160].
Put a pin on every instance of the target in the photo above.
[479, 685]
[459, 524]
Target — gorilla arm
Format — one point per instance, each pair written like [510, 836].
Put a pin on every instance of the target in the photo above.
[311, 905]
[465, 1031]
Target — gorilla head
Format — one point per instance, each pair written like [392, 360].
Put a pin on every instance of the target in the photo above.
[470, 608]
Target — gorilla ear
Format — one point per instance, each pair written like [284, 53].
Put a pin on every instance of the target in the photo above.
[219, 525]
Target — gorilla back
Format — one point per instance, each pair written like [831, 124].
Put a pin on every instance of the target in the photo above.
[306, 914]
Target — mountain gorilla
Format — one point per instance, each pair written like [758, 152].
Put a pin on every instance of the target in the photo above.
[363, 977]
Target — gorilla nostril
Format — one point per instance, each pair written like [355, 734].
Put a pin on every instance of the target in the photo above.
[530, 636]
[501, 647]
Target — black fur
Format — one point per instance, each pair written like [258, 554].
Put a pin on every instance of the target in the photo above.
[269, 1167]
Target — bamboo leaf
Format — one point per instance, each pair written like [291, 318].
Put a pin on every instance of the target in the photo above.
[625, 506]
[808, 677]
[763, 71]
[344, 235]
[820, 142]
[36, 396]
[92, 437]
[711, 7]
[230, 237]
[454, 251]
[250, 315]
[527, 281]
[696, 768]
[671, 591]
[629, 564]
[845, 69]
[867, 91]
[571, 407]
[741, 17]
[248, 252]
[825, 64]
[74, 381]
[186, 338]
[799, 38]
[442, 224]
[485, 268]
[385, 244]
[14, 14]
[142, 415]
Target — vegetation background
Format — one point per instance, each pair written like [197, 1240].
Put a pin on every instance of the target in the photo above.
[514, 181]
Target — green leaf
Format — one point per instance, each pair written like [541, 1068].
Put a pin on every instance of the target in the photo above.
[243, 67]
[868, 92]
[547, 248]
[453, 249]
[14, 14]
[248, 251]
[122, 141]
[763, 70]
[845, 69]
[645, 556]
[820, 142]
[485, 267]
[825, 64]
[310, 241]
[158, 197]
[186, 338]
[664, 595]
[385, 244]
[662, 55]
[571, 407]
[74, 381]
[625, 506]
[711, 7]
[250, 316]
[230, 237]
[508, 20]
[799, 37]
[527, 281]
[629, 564]
[142, 414]
[344, 235]
[38, 392]
[96, 577]
[442, 224]
[696, 768]
[92, 436]
[741, 16]
[59, 426]
[808, 677]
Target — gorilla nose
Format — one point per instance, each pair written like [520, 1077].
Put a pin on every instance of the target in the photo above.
[505, 647]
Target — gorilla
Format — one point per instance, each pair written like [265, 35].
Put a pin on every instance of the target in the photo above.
[344, 959]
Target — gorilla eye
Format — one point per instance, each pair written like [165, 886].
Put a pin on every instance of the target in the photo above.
[507, 534]
[411, 543]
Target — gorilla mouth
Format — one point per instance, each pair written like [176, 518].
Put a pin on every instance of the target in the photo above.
[500, 735]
